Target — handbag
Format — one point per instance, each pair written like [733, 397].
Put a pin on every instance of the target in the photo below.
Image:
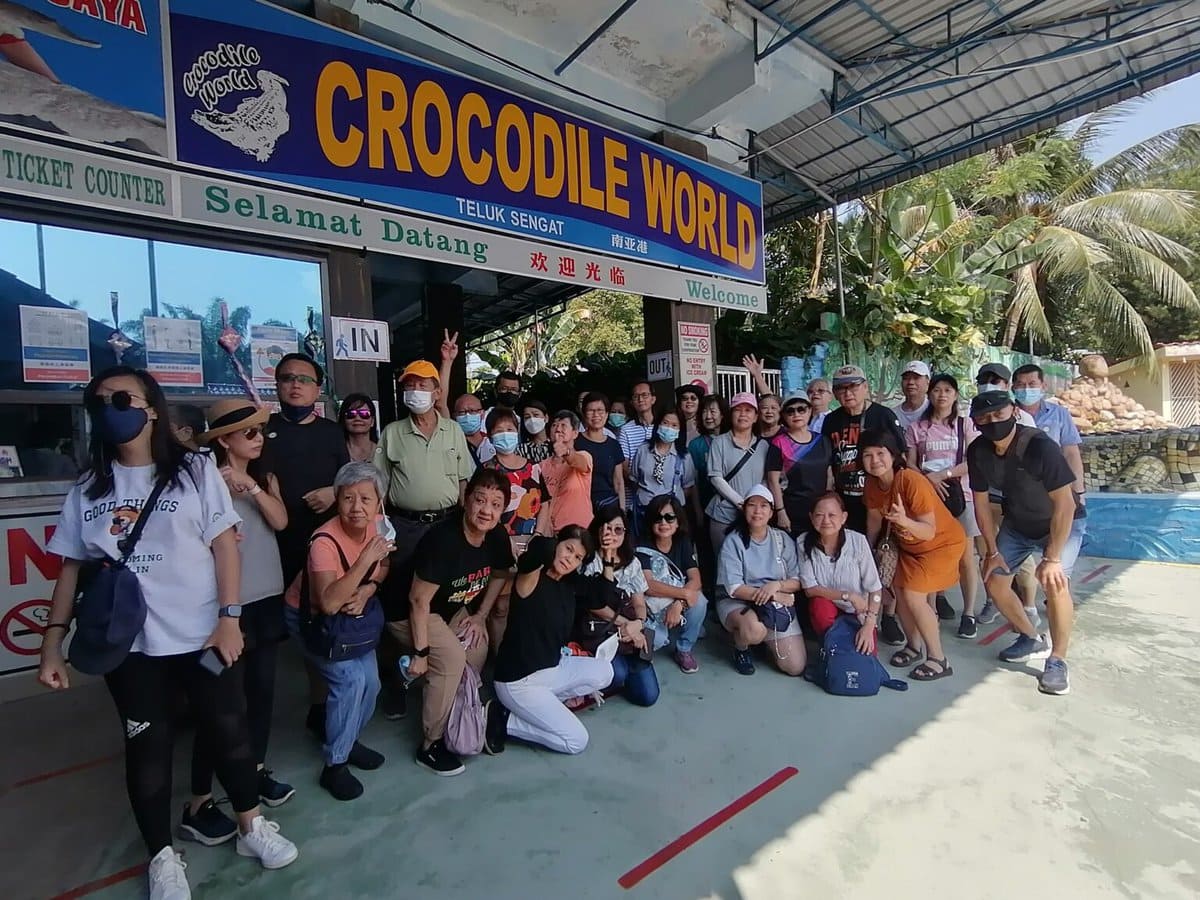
[338, 636]
[467, 723]
[110, 608]
[887, 556]
[955, 499]
[774, 615]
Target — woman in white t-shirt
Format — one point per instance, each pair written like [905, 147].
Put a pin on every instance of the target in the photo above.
[188, 569]
[937, 448]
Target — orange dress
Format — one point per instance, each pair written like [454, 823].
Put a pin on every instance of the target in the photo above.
[925, 566]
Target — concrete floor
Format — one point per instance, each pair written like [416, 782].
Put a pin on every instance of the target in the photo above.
[975, 786]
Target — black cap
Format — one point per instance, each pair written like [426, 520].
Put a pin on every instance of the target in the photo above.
[989, 401]
[1000, 370]
[688, 389]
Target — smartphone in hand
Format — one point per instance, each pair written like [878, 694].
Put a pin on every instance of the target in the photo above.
[211, 661]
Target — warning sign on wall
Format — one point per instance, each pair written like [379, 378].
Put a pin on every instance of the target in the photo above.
[27, 586]
[696, 355]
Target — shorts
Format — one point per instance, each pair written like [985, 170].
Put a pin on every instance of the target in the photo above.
[729, 606]
[967, 521]
[1016, 548]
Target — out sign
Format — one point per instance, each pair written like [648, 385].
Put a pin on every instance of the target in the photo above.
[658, 366]
[361, 339]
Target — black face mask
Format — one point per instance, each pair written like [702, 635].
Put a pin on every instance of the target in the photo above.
[508, 398]
[997, 431]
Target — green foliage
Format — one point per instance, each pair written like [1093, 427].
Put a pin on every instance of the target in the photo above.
[609, 322]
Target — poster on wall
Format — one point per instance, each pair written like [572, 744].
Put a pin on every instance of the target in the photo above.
[25, 589]
[174, 352]
[274, 95]
[86, 69]
[696, 355]
[268, 345]
[54, 345]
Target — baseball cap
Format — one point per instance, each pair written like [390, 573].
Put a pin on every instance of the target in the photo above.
[761, 491]
[745, 398]
[917, 367]
[689, 389]
[108, 618]
[848, 375]
[1000, 370]
[420, 368]
[990, 401]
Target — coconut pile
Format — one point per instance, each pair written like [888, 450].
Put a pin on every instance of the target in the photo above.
[1097, 405]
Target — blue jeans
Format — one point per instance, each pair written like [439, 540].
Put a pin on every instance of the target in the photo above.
[635, 678]
[353, 690]
[1015, 548]
[685, 635]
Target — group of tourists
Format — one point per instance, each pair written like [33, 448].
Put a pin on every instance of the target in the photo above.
[562, 552]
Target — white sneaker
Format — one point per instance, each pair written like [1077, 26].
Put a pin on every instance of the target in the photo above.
[166, 876]
[267, 845]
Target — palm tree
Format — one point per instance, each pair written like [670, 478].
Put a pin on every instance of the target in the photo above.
[1094, 222]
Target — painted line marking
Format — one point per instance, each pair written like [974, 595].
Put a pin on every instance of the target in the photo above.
[101, 883]
[1003, 629]
[78, 767]
[652, 863]
[1095, 573]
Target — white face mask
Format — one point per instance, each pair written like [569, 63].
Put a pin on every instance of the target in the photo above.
[418, 401]
[985, 388]
[535, 425]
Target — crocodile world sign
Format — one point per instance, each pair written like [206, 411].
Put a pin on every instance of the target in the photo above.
[273, 95]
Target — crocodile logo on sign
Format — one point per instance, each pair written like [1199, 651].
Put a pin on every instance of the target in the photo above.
[259, 120]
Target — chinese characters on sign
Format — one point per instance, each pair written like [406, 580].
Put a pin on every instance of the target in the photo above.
[566, 268]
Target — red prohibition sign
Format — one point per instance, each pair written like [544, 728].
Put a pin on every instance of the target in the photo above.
[22, 628]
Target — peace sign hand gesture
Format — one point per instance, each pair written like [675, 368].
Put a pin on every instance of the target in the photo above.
[449, 345]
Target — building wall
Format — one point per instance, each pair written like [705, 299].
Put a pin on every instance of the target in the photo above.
[1138, 384]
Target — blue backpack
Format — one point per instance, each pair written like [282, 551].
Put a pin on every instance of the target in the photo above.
[843, 671]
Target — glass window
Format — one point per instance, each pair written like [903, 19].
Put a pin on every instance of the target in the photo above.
[204, 321]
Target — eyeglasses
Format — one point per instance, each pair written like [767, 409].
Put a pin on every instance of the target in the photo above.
[255, 431]
[614, 529]
[642, 396]
[295, 379]
[121, 400]
[666, 517]
[470, 412]
[795, 410]
[363, 412]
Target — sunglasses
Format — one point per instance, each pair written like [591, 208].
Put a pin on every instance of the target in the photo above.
[796, 410]
[614, 529]
[120, 400]
[295, 379]
[362, 412]
[666, 517]
[254, 431]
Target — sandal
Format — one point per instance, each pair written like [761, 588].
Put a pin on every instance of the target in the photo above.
[923, 672]
[905, 657]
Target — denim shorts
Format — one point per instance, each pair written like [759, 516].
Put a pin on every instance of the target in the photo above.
[1015, 548]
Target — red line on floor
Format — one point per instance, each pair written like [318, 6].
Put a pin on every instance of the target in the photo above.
[101, 883]
[78, 767]
[1003, 629]
[1095, 573]
[651, 864]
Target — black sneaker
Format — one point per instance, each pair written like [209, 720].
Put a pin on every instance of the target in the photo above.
[363, 757]
[966, 627]
[439, 760]
[393, 700]
[209, 826]
[945, 611]
[891, 632]
[743, 662]
[315, 721]
[271, 792]
[340, 782]
[496, 732]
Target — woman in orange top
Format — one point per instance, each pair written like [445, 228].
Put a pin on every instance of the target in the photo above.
[930, 542]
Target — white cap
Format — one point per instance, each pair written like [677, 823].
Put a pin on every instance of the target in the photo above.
[761, 491]
[917, 368]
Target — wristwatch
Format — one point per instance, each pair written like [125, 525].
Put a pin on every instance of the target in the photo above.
[845, 596]
[422, 653]
[230, 612]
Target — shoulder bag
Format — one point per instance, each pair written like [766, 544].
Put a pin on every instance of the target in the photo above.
[110, 608]
[338, 636]
[887, 556]
[955, 499]
[737, 467]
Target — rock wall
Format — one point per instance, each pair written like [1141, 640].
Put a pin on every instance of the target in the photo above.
[1146, 462]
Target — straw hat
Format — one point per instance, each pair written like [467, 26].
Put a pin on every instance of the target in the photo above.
[228, 416]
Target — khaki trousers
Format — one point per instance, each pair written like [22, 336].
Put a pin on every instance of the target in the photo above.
[447, 661]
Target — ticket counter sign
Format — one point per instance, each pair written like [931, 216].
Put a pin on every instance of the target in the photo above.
[273, 95]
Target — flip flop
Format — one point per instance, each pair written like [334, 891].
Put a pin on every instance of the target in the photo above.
[924, 673]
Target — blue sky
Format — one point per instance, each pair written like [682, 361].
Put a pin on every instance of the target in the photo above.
[1168, 107]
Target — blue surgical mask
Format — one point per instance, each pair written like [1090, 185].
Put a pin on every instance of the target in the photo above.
[505, 441]
[667, 434]
[120, 426]
[616, 420]
[1029, 396]
[470, 423]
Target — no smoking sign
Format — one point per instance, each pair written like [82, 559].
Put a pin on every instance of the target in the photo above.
[22, 627]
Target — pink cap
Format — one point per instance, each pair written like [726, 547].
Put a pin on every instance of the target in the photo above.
[745, 398]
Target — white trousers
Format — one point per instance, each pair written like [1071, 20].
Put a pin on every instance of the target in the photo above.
[535, 703]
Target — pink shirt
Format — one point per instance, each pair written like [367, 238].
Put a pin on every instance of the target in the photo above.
[570, 492]
[936, 444]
